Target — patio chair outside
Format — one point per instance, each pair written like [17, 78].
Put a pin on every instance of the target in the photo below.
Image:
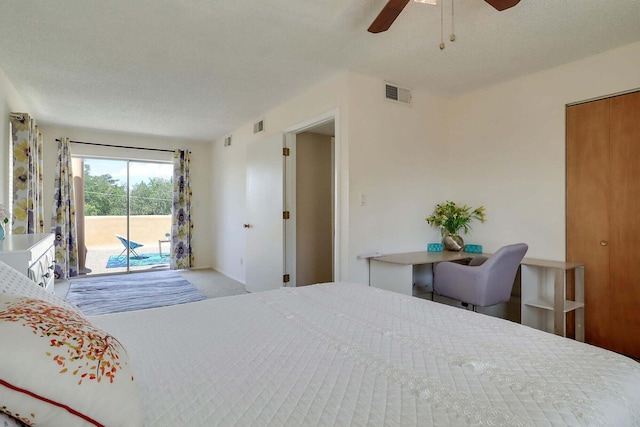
[129, 244]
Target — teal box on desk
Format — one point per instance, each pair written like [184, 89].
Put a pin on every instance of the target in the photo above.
[473, 249]
[434, 247]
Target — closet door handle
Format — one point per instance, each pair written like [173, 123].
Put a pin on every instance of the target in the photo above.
[246, 225]
[603, 243]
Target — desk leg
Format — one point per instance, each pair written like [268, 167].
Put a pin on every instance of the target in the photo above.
[392, 277]
[559, 318]
[579, 313]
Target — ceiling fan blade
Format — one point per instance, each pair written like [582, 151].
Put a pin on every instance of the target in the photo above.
[386, 17]
[502, 4]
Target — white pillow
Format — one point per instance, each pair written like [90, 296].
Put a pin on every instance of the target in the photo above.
[58, 369]
[13, 282]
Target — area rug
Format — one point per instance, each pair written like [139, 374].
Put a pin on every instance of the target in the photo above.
[144, 259]
[134, 291]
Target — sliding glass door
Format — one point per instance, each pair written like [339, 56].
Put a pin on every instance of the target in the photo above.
[123, 214]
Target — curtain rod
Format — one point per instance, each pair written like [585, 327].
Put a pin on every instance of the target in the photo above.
[118, 146]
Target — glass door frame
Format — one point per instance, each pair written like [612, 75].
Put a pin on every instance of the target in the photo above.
[80, 201]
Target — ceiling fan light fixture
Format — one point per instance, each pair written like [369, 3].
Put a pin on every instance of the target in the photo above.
[392, 9]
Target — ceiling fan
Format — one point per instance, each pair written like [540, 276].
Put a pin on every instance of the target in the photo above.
[393, 8]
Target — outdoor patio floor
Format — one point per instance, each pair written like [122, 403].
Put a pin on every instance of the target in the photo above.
[97, 258]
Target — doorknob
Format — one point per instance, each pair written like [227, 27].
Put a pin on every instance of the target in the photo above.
[603, 243]
[246, 225]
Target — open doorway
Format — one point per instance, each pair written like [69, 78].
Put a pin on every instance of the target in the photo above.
[310, 234]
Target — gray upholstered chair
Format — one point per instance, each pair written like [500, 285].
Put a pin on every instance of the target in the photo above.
[485, 281]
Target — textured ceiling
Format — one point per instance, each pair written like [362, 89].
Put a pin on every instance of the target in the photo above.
[197, 69]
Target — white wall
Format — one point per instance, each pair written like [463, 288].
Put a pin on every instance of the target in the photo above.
[388, 151]
[396, 154]
[508, 148]
[229, 164]
[9, 101]
[501, 147]
[200, 167]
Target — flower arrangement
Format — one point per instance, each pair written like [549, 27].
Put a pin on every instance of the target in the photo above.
[450, 217]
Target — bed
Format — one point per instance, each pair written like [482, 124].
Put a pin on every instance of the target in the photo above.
[346, 354]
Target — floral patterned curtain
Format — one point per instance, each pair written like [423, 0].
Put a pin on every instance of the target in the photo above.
[28, 210]
[181, 224]
[63, 221]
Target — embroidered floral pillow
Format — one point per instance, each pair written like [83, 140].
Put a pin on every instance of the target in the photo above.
[7, 421]
[58, 369]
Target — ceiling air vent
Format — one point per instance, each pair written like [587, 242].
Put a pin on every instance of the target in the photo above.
[227, 141]
[395, 93]
[258, 126]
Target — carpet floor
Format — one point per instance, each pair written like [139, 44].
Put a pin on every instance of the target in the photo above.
[112, 294]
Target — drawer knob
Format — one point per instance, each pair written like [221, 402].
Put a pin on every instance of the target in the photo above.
[46, 275]
[603, 243]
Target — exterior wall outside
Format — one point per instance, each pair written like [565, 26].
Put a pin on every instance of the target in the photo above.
[146, 229]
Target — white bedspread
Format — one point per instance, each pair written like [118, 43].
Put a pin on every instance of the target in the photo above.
[349, 355]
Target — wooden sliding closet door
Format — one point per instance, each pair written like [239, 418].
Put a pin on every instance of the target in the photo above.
[587, 209]
[624, 226]
[603, 201]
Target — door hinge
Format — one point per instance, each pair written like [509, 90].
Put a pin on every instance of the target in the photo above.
[286, 215]
[285, 151]
[286, 278]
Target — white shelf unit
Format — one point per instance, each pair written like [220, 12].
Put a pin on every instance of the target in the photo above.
[544, 296]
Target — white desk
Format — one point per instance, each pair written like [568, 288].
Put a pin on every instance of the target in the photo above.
[543, 304]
